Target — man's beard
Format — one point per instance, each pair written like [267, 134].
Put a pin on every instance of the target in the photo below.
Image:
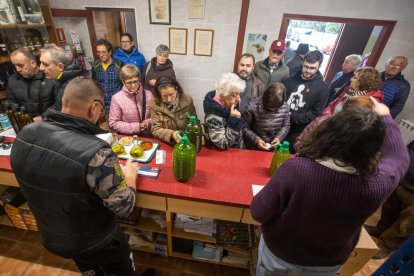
[244, 77]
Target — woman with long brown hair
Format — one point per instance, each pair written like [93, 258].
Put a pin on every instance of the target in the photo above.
[314, 206]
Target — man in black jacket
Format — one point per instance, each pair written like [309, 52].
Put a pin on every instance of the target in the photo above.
[28, 86]
[74, 184]
[307, 94]
[57, 66]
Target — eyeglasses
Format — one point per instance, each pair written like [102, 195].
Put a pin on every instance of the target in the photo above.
[6, 145]
[309, 68]
[102, 53]
[131, 83]
[125, 42]
[396, 65]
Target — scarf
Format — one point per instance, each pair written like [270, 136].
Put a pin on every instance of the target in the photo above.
[351, 93]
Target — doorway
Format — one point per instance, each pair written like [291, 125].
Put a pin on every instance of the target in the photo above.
[354, 36]
[95, 23]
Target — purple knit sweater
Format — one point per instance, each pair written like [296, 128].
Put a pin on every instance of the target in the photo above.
[312, 215]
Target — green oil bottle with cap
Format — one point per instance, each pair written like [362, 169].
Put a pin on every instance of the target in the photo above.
[184, 160]
[281, 155]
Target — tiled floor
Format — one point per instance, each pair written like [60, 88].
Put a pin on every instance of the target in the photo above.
[22, 254]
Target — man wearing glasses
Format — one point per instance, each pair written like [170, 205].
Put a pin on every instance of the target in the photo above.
[396, 88]
[106, 71]
[307, 94]
[128, 53]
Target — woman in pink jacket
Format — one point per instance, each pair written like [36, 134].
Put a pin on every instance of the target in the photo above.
[130, 108]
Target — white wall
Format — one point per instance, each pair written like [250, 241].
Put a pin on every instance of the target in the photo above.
[265, 16]
[196, 74]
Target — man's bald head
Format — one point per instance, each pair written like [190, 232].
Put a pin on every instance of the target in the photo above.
[81, 97]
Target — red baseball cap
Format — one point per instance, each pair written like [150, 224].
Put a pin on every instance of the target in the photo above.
[278, 45]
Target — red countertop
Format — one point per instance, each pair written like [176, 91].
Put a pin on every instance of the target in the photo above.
[223, 177]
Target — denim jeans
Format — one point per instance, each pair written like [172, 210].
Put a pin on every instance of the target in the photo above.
[268, 264]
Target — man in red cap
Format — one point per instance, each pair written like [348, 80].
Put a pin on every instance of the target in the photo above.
[272, 69]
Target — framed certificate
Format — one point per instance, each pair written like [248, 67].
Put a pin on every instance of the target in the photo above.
[203, 42]
[178, 41]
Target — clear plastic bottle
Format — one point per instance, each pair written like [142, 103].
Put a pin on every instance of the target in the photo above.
[184, 160]
[194, 132]
[136, 151]
[281, 155]
[116, 146]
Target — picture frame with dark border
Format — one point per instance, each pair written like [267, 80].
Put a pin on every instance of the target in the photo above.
[160, 12]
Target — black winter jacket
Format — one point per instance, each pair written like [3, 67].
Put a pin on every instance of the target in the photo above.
[35, 94]
[50, 161]
[70, 72]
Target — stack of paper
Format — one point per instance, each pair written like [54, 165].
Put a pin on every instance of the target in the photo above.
[200, 225]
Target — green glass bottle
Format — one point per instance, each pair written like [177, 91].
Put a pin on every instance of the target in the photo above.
[194, 132]
[281, 155]
[12, 119]
[18, 115]
[184, 160]
[26, 118]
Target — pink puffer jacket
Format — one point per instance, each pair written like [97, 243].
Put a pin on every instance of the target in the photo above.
[125, 114]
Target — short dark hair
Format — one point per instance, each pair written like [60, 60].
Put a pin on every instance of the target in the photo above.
[83, 89]
[106, 43]
[353, 136]
[314, 56]
[166, 81]
[274, 96]
[248, 56]
[128, 35]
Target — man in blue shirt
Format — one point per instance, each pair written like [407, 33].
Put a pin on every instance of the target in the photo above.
[106, 70]
[128, 53]
[395, 87]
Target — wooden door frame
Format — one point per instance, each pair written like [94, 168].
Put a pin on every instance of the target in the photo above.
[388, 27]
[89, 20]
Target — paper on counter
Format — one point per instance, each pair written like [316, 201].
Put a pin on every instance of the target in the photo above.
[256, 188]
[9, 133]
[5, 152]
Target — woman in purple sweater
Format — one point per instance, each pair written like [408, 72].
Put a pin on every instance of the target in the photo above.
[130, 111]
[314, 206]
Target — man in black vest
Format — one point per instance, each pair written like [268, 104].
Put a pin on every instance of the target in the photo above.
[28, 86]
[74, 184]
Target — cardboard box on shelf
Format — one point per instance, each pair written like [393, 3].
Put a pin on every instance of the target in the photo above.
[363, 252]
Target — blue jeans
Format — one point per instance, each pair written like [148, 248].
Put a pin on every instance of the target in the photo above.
[268, 264]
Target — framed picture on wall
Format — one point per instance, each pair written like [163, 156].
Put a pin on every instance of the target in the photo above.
[196, 9]
[160, 11]
[203, 42]
[178, 41]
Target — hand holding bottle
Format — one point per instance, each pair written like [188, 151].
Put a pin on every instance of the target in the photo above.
[130, 171]
[176, 135]
[275, 142]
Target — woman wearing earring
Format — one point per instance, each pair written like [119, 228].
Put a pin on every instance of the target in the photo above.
[130, 108]
[169, 110]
